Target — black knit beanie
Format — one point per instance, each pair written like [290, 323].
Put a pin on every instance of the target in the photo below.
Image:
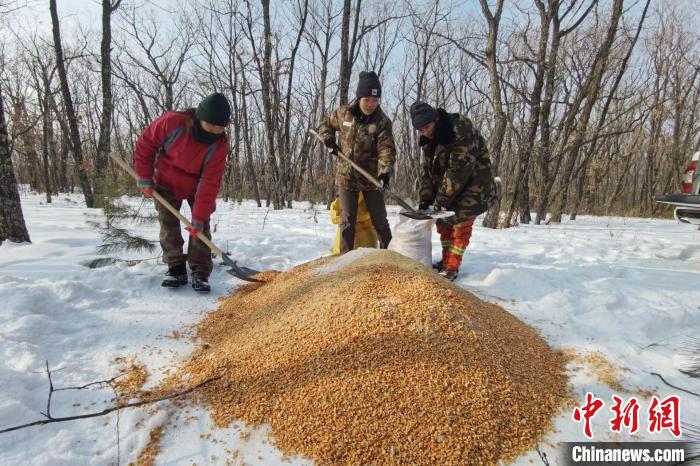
[214, 109]
[422, 114]
[368, 85]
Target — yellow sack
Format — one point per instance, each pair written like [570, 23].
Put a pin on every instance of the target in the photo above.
[365, 236]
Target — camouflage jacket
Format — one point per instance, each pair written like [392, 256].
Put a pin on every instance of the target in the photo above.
[367, 141]
[456, 168]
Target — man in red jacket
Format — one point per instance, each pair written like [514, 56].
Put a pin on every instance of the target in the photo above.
[182, 155]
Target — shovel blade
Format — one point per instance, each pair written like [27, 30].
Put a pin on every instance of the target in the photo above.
[244, 274]
[415, 215]
[240, 272]
[426, 214]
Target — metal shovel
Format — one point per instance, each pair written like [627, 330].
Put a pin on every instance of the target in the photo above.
[408, 211]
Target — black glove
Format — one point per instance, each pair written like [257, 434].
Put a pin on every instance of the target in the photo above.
[332, 147]
[422, 141]
[439, 203]
[384, 180]
[424, 205]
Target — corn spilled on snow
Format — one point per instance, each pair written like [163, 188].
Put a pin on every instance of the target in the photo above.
[379, 362]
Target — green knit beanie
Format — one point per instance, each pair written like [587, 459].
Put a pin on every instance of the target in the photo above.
[214, 109]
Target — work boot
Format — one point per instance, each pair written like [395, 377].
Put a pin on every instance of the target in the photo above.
[438, 266]
[449, 274]
[176, 276]
[200, 284]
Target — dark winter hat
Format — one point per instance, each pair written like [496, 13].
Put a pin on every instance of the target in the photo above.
[422, 114]
[214, 109]
[368, 85]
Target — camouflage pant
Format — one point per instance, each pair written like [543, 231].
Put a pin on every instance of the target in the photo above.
[455, 239]
[198, 254]
[348, 217]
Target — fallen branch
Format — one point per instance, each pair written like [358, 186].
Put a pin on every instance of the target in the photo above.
[50, 419]
[109, 383]
[542, 455]
[265, 219]
[673, 386]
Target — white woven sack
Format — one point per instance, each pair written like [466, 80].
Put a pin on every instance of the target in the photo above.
[413, 238]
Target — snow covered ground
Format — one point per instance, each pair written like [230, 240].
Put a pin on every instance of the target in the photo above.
[624, 288]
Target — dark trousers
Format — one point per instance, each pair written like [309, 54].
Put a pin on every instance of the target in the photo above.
[198, 254]
[348, 217]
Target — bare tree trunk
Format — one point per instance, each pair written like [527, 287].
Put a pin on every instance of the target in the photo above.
[235, 177]
[544, 153]
[12, 226]
[549, 175]
[499, 130]
[345, 53]
[265, 71]
[288, 103]
[266, 78]
[326, 165]
[324, 168]
[65, 181]
[580, 183]
[591, 91]
[76, 145]
[521, 192]
[246, 135]
[524, 201]
[43, 89]
[104, 143]
[46, 136]
[590, 153]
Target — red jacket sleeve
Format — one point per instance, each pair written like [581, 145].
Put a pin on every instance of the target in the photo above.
[147, 145]
[209, 184]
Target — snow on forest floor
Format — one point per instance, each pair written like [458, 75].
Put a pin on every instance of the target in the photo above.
[623, 289]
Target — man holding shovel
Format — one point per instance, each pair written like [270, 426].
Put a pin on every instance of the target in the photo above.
[182, 156]
[456, 176]
[367, 139]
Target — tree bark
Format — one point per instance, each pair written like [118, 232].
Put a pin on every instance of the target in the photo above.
[246, 135]
[46, 143]
[544, 154]
[12, 226]
[499, 130]
[76, 145]
[272, 187]
[104, 142]
[593, 148]
[591, 92]
[286, 148]
[521, 192]
[345, 53]
[549, 175]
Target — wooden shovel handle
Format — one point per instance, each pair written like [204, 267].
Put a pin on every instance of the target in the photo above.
[119, 161]
[370, 178]
[364, 172]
